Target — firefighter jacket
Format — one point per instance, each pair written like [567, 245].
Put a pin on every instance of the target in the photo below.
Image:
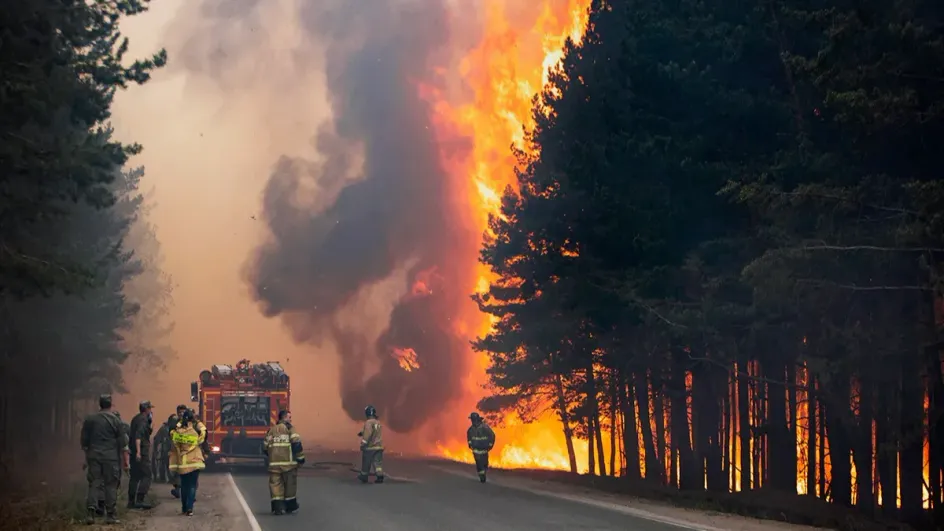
[481, 438]
[372, 435]
[104, 437]
[185, 454]
[283, 445]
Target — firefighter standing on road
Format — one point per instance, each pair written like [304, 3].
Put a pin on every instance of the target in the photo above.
[105, 444]
[140, 446]
[371, 446]
[172, 425]
[481, 440]
[283, 445]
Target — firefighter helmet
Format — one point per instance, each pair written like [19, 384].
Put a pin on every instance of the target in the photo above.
[370, 411]
[475, 417]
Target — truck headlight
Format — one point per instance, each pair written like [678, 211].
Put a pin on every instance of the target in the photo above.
[215, 449]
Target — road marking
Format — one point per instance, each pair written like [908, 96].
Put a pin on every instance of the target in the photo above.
[615, 507]
[253, 523]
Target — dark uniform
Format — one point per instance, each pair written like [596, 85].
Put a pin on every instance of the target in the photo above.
[481, 439]
[105, 443]
[141, 472]
[161, 451]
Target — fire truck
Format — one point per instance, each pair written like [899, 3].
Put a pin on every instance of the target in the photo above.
[238, 405]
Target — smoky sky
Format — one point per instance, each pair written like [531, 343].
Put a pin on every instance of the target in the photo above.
[382, 201]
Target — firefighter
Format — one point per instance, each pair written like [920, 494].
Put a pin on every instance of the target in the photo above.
[186, 459]
[174, 477]
[283, 446]
[481, 439]
[371, 446]
[105, 444]
[140, 446]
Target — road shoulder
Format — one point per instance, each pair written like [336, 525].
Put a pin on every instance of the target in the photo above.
[217, 509]
[691, 519]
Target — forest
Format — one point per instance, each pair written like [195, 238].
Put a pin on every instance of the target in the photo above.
[720, 264]
[81, 285]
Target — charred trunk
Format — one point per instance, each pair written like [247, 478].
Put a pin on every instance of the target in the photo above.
[681, 442]
[744, 421]
[565, 422]
[837, 429]
[630, 433]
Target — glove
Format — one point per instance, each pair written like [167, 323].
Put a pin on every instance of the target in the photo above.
[360, 434]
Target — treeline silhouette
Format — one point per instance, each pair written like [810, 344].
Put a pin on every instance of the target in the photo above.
[81, 286]
[721, 265]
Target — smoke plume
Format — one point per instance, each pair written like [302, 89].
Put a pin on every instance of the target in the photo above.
[371, 205]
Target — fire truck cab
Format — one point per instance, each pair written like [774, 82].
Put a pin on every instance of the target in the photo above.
[238, 405]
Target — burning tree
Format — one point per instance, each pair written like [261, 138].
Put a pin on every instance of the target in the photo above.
[724, 246]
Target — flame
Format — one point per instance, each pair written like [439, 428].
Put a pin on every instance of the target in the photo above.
[406, 357]
[503, 72]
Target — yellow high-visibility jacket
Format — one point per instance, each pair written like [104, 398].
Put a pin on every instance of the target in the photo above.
[278, 446]
[185, 454]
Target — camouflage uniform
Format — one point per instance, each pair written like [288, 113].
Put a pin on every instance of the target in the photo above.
[161, 452]
[372, 450]
[481, 439]
[141, 472]
[105, 441]
[283, 446]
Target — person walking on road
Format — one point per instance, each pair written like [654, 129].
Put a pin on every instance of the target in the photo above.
[481, 439]
[283, 446]
[187, 459]
[140, 446]
[371, 446]
[105, 443]
[174, 476]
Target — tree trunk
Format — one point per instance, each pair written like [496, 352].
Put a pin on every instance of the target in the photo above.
[778, 433]
[863, 449]
[681, 443]
[614, 400]
[591, 452]
[630, 433]
[911, 458]
[836, 411]
[811, 434]
[744, 421]
[565, 421]
[595, 418]
[659, 410]
[653, 468]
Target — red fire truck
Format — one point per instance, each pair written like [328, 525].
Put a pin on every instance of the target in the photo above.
[238, 405]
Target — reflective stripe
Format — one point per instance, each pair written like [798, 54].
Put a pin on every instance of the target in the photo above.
[277, 498]
[480, 452]
[182, 438]
[374, 448]
[282, 463]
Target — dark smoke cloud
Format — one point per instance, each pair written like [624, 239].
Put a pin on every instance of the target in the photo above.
[394, 214]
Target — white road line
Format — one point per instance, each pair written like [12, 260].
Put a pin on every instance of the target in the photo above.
[253, 523]
[615, 507]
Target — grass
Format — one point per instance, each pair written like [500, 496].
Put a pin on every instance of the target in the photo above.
[763, 504]
[56, 508]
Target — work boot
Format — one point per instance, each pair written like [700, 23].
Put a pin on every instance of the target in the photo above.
[482, 477]
[362, 478]
[90, 516]
[141, 503]
[112, 519]
[279, 508]
[380, 479]
[291, 505]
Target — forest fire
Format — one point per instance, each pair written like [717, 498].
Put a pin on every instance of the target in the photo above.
[507, 68]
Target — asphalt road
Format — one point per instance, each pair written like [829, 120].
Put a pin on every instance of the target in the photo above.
[424, 497]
